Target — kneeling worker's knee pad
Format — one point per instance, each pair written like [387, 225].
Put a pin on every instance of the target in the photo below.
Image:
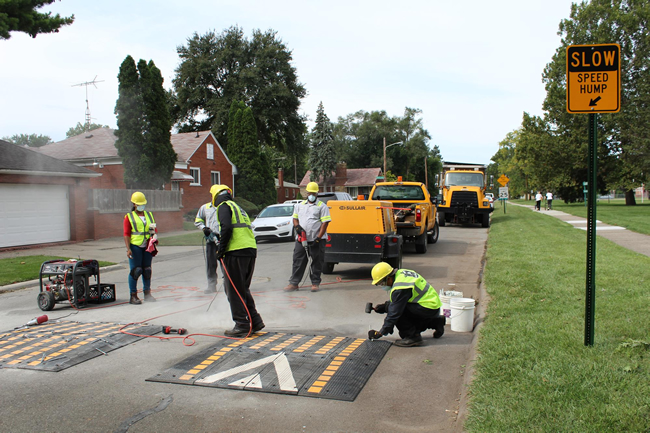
[136, 272]
[147, 273]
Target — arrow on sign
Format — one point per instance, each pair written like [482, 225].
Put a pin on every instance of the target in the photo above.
[593, 102]
[282, 369]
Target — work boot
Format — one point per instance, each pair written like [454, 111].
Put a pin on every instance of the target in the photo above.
[315, 288]
[134, 299]
[291, 288]
[237, 331]
[439, 330]
[148, 297]
[409, 342]
[258, 327]
[210, 290]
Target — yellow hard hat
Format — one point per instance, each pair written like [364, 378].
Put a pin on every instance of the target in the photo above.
[138, 198]
[380, 271]
[312, 187]
[216, 189]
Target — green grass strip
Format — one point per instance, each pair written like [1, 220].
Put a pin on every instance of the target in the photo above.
[26, 268]
[533, 372]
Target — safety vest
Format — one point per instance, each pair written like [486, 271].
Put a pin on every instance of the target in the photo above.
[423, 293]
[139, 230]
[242, 234]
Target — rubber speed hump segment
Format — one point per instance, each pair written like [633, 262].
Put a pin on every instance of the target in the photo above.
[55, 346]
[305, 365]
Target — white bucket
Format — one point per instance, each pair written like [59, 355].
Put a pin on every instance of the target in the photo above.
[445, 297]
[462, 314]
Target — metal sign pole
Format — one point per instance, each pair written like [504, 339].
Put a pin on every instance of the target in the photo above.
[590, 298]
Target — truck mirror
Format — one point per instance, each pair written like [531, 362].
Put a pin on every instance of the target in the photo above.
[491, 181]
[437, 180]
[439, 198]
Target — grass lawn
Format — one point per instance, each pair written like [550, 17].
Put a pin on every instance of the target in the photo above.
[614, 212]
[192, 238]
[533, 372]
[27, 268]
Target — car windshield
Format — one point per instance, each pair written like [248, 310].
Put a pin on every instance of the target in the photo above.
[398, 192]
[464, 179]
[276, 211]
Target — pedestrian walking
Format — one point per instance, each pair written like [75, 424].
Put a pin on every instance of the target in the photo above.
[538, 201]
[549, 200]
[139, 227]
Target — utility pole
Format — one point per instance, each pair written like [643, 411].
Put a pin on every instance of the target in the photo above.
[86, 84]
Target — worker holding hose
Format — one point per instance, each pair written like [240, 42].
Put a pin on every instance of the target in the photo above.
[206, 220]
[237, 252]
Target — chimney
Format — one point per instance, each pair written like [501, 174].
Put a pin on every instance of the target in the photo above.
[341, 174]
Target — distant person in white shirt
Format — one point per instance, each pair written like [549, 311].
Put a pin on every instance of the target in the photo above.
[549, 199]
[538, 201]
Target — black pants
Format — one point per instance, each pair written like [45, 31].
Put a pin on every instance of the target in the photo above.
[240, 270]
[300, 260]
[211, 265]
[416, 319]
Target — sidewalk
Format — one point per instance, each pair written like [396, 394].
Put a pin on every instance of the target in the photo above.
[636, 242]
[108, 250]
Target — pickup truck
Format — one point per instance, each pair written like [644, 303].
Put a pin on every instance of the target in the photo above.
[414, 211]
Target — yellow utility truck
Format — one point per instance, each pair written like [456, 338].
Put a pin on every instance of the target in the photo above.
[462, 194]
[361, 232]
[414, 211]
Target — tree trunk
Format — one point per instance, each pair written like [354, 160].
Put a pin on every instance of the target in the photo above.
[629, 198]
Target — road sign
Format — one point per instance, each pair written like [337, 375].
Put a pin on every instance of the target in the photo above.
[503, 192]
[593, 75]
[503, 180]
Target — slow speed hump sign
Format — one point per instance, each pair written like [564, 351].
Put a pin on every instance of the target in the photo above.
[593, 78]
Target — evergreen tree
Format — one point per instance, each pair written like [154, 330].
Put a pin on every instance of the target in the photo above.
[322, 156]
[81, 128]
[143, 126]
[21, 16]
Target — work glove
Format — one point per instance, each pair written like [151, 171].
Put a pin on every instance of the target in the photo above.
[382, 308]
[221, 252]
[374, 335]
[299, 229]
[206, 231]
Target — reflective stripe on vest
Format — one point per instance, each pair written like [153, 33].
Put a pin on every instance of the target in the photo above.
[422, 293]
[140, 231]
[242, 234]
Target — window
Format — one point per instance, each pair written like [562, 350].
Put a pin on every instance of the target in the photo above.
[286, 193]
[294, 193]
[210, 148]
[215, 177]
[175, 185]
[196, 174]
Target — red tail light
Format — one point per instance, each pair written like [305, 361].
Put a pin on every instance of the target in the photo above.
[418, 215]
[377, 239]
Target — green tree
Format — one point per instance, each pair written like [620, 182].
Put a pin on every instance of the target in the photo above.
[31, 140]
[21, 16]
[322, 156]
[143, 126]
[216, 69]
[81, 128]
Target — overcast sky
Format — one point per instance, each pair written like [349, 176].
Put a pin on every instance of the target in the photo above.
[473, 67]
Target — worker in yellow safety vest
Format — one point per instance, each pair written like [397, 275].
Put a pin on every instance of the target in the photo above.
[414, 305]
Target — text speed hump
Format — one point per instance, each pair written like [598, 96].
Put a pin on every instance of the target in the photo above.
[593, 78]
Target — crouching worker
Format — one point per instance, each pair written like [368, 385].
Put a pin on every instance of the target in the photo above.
[414, 305]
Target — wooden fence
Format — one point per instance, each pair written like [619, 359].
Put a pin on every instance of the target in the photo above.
[119, 200]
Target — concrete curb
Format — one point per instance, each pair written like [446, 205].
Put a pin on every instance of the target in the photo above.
[34, 283]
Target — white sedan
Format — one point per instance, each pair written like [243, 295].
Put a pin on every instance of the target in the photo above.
[274, 222]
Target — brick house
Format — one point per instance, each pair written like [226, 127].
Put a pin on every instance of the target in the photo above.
[201, 163]
[286, 190]
[354, 181]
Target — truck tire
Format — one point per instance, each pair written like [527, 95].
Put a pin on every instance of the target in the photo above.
[486, 220]
[441, 219]
[432, 236]
[396, 262]
[421, 243]
[328, 267]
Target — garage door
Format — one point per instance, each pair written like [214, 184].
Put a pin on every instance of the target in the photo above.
[33, 214]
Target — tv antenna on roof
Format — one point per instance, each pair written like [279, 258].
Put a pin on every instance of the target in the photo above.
[86, 84]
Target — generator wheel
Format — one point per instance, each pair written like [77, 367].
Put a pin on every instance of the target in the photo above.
[433, 234]
[421, 243]
[46, 301]
[80, 287]
[328, 267]
[441, 219]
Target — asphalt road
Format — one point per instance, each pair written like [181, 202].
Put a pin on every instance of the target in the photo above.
[413, 389]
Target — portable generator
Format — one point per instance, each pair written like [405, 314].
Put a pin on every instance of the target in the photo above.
[68, 281]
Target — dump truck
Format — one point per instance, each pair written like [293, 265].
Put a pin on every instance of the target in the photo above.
[414, 211]
[462, 194]
[361, 232]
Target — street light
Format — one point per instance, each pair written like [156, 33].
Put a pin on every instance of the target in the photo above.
[386, 147]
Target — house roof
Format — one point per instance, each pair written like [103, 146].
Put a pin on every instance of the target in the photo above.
[355, 177]
[22, 160]
[286, 184]
[100, 144]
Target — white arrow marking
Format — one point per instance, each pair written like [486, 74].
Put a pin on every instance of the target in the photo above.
[282, 369]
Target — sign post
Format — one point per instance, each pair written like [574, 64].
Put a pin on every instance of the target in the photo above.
[593, 86]
[503, 180]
